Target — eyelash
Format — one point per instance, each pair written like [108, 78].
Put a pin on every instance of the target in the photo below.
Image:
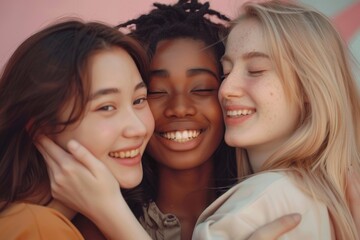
[104, 108]
[256, 73]
[140, 100]
[154, 93]
[204, 90]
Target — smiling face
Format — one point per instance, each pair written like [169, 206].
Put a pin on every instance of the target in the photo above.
[117, 122]
[257, 114]
[183, 98]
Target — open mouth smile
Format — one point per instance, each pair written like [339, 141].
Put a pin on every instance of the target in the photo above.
[239, 113]
[125, 154]
[181, 136]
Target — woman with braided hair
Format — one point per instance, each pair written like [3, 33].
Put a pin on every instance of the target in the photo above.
[187, 165]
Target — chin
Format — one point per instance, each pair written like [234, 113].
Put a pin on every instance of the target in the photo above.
[130, 182]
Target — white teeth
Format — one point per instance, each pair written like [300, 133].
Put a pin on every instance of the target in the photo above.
[125, 154]
[181, 136]
[238, 113]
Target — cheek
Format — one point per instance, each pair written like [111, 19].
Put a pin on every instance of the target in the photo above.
[96, 135]
[215, 112]
[156, 107]
[147, 119]
[215, 116]
[276, 109]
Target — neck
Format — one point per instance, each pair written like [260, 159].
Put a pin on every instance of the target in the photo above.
[186, 193]
[66, 211]
[258, 155]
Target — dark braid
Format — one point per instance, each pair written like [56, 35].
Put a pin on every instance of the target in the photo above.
[184, 19]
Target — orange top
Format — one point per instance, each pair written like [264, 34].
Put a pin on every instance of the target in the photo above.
[29, 221]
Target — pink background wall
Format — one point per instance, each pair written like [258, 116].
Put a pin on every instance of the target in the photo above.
[21, 18]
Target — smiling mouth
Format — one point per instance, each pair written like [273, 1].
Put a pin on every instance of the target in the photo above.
[181, 136]
[239, 113]
[125, 154]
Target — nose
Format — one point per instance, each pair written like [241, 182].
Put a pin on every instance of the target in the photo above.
[180, 105]
[134, 125]
[231, 87]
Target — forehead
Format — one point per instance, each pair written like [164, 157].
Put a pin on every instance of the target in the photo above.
[113, 67]
[246, 36]
[183, 51]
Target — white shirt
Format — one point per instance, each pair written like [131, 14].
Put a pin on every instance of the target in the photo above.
[260, 200]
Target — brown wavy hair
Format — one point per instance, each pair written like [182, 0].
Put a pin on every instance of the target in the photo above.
[45, 72]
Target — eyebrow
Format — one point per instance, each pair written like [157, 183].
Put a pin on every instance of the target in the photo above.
[190, 72]
[195, 71]
[159, 73]
[254, 55]
[247, 56]
[107, 91]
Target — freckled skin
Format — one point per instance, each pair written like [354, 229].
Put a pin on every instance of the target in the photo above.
[275, 119]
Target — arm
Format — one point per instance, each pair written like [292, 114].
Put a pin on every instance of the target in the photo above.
[84, 183]
[86, 178]
[276, 228]
[258, 201]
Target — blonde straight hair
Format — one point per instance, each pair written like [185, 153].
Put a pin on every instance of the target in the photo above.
[314, 65]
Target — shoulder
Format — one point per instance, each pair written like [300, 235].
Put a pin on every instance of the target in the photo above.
[37, 222]
[269, 189]
[263, 185]
[259, 200]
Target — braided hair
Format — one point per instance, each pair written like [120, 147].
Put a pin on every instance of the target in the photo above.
[184, 19]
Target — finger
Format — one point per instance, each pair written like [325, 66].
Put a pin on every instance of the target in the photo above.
[60, 164]
[54, 151]
[276, 228]
[50, 163]
[85, 157]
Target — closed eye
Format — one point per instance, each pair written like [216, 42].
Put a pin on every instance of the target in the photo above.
[205, 91]
[256, 73]
[155, 92]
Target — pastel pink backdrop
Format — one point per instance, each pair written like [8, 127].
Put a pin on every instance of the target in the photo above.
[20, 18]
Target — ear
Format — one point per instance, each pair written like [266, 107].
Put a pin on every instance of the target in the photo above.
[29, 128]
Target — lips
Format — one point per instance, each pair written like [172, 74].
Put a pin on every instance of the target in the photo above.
[125, 154]
[181, 135]
[239, 113]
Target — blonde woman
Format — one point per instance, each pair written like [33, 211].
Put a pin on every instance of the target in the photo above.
[292, 108]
